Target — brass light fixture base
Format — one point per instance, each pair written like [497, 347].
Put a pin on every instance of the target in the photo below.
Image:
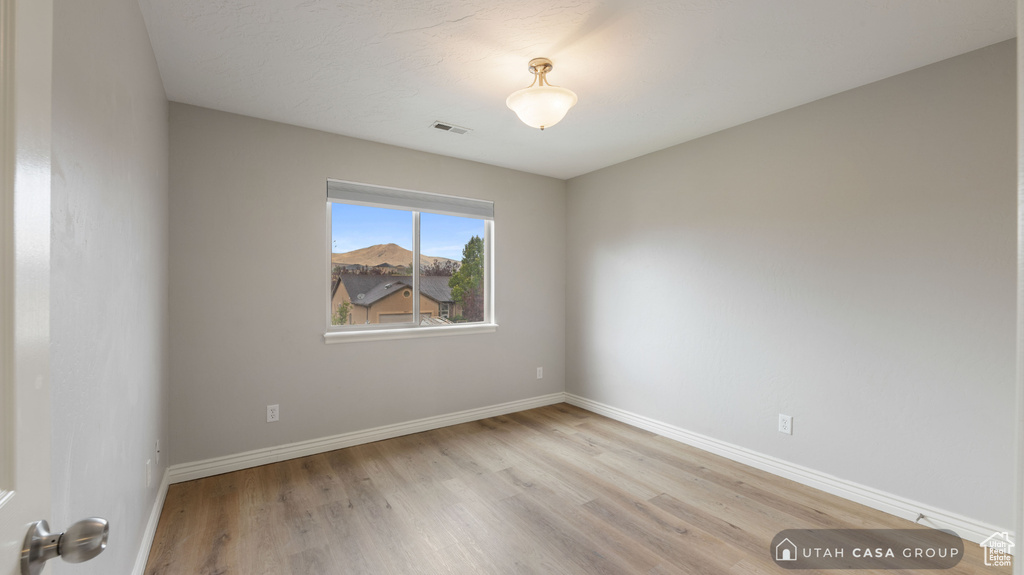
[540, 65]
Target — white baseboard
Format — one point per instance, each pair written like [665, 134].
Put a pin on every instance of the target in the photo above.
[965, 527]
[217, 465]
[150, 533]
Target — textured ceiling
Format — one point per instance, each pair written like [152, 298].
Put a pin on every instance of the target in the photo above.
[649, 74]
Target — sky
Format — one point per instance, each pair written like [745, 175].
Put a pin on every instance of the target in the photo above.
[355, 227]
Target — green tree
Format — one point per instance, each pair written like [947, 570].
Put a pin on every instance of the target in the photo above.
[342, 314]
[468, 283]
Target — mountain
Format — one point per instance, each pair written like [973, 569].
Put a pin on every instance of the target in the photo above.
[392, 254]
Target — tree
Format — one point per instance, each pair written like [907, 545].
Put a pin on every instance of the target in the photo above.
[364, 271]
[342, 314]
[440, 268]
[468, 283]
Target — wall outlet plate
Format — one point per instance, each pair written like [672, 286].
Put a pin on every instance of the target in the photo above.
[273, 413]
[786, 424]
[540, 373]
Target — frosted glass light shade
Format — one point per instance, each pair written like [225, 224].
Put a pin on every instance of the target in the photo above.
[541, 106]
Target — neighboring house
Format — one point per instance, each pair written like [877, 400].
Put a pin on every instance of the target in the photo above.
[388, 299]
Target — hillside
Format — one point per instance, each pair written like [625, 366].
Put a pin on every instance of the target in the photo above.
[382, 254]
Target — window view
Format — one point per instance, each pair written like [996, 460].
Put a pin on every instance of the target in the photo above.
[452, 276]
[371, 265]
[374, 279]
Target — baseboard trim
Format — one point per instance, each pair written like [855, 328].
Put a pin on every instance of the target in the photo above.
[965, 527]
[217, 465]
[150, 533]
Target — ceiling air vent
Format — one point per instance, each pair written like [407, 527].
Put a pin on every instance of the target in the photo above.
[446, 127]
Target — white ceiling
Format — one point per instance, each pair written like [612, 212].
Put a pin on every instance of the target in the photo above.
[649, 74]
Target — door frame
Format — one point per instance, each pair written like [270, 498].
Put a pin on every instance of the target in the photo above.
[1018, 496]
[26, 64]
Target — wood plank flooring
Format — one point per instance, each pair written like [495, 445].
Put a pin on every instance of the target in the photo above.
[551, 490]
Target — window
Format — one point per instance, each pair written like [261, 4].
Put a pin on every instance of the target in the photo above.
[406, 264]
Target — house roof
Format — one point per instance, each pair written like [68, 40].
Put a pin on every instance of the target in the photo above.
[375, 288]
[428, 320]
[436, 288]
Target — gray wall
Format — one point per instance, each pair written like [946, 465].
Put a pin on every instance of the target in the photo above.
[248, 288]
[850, 262]
[109, 273]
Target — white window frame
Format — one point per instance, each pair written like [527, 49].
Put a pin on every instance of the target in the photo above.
[355, 193]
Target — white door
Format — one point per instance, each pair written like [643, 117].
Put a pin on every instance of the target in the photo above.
[26, 31]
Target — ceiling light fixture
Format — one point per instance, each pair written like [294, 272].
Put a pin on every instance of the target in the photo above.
[541, 105]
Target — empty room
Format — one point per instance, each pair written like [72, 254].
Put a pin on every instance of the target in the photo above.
[715, 286]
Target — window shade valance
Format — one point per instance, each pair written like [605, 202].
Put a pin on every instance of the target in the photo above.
[380, 196]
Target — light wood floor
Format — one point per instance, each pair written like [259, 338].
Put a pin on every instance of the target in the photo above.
[550, 490]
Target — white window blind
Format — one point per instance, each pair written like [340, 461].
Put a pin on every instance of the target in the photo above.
[383, 197]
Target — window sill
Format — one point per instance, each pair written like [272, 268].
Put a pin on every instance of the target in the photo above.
[407, 333]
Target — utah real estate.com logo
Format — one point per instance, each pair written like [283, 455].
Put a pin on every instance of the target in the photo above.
[997, 550]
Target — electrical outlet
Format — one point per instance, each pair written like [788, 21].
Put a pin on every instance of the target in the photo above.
[540, 373]
[158, 452]
[149, 472]
[273, 413]
[786, 424]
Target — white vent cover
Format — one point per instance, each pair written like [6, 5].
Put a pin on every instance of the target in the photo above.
[448, 127]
